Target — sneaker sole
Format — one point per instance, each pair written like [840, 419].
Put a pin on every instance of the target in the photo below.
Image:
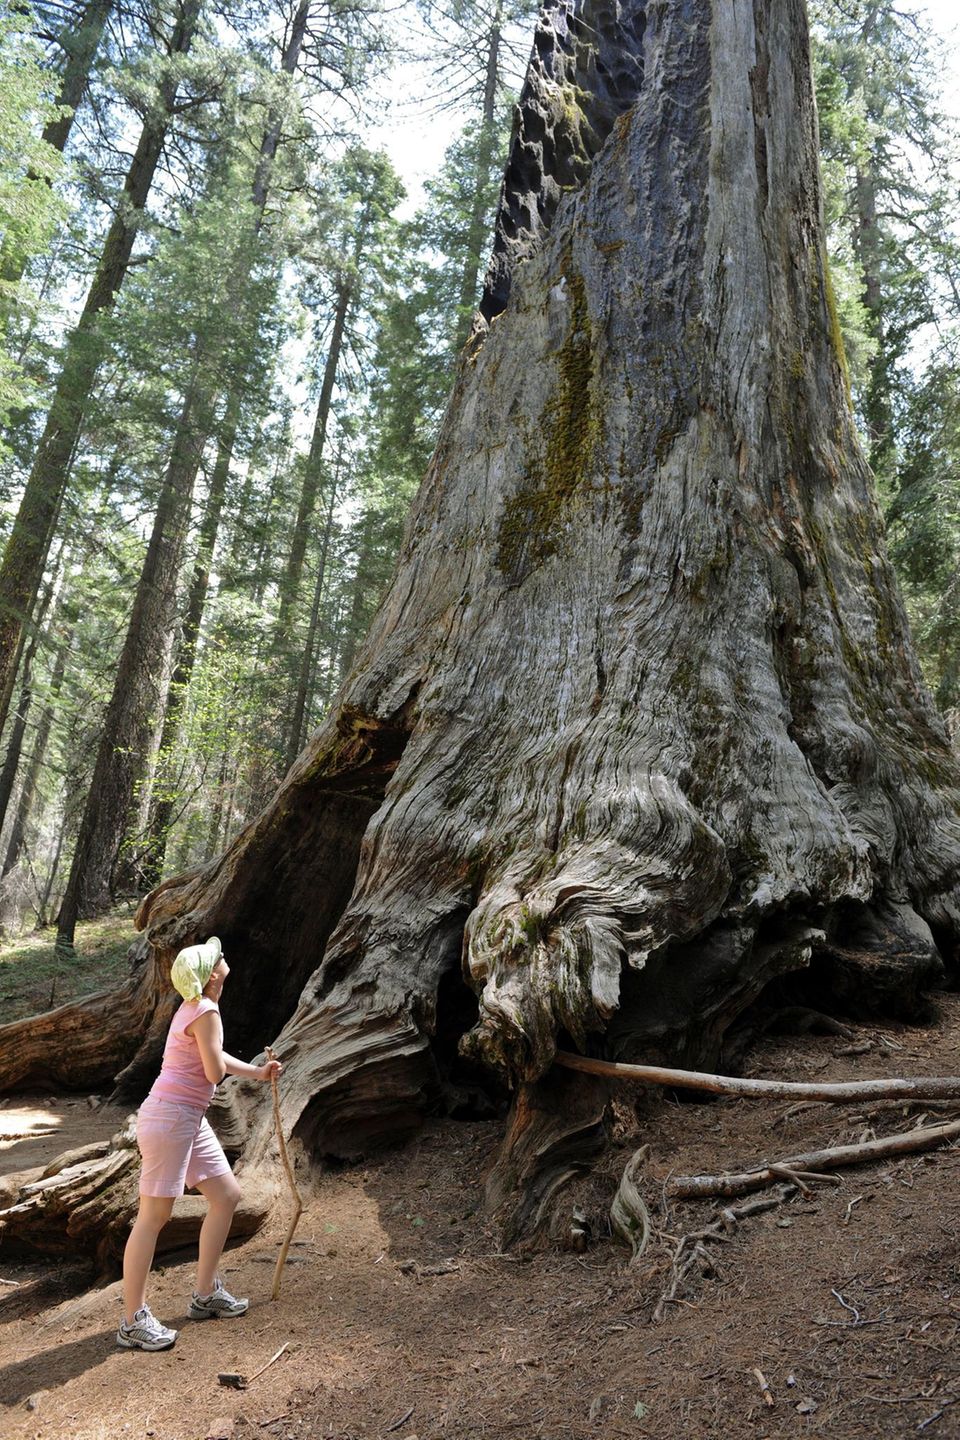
[216, 1314]
[130, 1344]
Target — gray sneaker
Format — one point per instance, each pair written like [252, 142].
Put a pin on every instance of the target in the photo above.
[145, 1332]
[220, 1305]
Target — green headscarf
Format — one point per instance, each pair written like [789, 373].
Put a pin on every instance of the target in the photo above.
[193, 967]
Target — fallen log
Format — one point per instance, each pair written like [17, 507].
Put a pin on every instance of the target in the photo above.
[689, 1187]
[921, 1087]
[85, 1202]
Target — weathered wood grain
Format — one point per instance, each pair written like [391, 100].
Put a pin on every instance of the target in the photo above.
[638, 727]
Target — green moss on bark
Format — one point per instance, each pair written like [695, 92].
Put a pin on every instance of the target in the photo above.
[536, 518]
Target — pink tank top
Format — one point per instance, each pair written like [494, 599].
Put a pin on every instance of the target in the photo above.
[181, 1075]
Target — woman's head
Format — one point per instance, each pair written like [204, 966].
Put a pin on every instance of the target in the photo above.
[214, 986]
[193, 967]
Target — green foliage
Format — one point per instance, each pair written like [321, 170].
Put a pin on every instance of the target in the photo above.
[32, 976]
[924, 521]
[29, 206]
[243, 300]
[889, 163]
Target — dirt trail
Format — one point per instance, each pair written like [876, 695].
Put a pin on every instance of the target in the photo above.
[402, 1319]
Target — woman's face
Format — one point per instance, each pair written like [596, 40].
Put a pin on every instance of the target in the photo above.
[214, 986]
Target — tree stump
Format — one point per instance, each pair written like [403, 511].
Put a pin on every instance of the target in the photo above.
[638, 727]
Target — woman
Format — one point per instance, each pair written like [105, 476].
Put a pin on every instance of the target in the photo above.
[178, 1147]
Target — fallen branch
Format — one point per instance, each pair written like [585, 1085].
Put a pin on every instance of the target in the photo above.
[688, 1187]
[297, 1201]
[919, 1088]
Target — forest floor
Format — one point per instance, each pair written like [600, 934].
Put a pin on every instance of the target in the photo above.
[402, 1318]
[33, 977]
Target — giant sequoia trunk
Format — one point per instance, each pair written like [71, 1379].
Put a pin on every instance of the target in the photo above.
[638, 728]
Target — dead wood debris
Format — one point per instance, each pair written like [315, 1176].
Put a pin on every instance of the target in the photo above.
[240, 1382]
[690, 1251]
[629, 1215]
[688, 1187]
[896, 1088]
[423, 1272]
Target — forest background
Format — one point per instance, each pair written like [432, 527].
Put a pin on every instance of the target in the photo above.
[240, 249]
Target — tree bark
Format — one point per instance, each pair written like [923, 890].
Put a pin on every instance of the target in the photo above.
[134, 703]
[163, 809]
[638, 728]
[476, 236]
[293, 570]
[25, 554]
[80, 45]
[41, 739]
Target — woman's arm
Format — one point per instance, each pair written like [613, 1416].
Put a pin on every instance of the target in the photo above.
[207, 1030]
[252, 1072]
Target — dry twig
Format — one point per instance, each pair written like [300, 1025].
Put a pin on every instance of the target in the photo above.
[686, 1259]
[240, 1382]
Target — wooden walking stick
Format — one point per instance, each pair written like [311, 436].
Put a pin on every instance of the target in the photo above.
[297, 1201]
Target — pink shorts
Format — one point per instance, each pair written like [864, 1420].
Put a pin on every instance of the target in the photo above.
[177, 1147]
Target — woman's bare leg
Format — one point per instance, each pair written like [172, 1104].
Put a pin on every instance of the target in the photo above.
[154, 1212]
[222, 1194]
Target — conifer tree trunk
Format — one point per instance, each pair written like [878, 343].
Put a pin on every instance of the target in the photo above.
[236, 281]
[80, 45]
[293, 570]
[134, 703]
[18, 729]
[352, 632]
[122, 753]
[878, 408]
[638, 730]
[37, 754]
[476, 237]
[638, 727]
[163, 809]
[25, 553]
[295, 736]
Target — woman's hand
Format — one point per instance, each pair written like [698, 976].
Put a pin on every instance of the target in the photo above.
[269, 1069]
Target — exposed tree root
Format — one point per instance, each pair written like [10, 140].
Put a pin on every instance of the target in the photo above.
[554, 1131]
[629, 1215]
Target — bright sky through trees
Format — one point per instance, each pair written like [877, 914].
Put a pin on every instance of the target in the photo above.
[415, 138]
